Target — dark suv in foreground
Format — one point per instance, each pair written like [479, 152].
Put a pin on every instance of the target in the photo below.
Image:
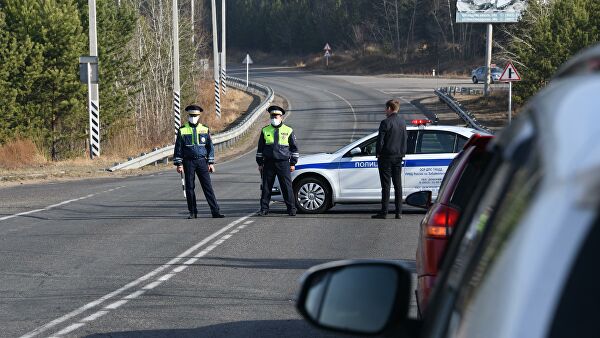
[524, 259]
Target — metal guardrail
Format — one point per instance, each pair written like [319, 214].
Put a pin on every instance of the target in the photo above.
[445, 94]
[220, 140]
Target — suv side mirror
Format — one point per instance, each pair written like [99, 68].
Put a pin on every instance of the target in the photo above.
[420, 199]
[356, 296]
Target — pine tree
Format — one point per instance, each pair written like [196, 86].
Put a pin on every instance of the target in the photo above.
[53, 101]
[548, 35]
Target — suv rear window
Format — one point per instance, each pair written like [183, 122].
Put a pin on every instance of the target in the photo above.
[469, 178]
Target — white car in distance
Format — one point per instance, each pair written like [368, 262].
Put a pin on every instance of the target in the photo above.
[350, 175]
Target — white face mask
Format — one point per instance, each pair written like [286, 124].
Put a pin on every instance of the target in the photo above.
[194, 119]
[275, 122]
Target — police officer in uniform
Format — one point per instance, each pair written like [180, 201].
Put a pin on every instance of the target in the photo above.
[277, 155]
[195, 155]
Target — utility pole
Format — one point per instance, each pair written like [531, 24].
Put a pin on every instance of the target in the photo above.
[216, 60]
[488, 60]
[176, 88]
[94, 100]
[193, 30]
[223, 54]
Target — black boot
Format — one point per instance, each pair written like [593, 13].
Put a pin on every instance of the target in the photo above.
[193, 215]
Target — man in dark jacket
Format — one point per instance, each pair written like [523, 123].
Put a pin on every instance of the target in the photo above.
[195, 155]
[277, 155]
[390, 149]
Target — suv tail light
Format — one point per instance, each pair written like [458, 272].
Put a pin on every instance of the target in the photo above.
[441, 221]
[478, 141]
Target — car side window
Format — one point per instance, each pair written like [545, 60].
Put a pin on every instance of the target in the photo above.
[435, 142]
[411, 142]
[367, 148]
[460, 143]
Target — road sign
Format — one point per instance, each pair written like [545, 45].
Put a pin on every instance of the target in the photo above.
[247, 60]
[327, 54]
[510, 74]
[327, 47]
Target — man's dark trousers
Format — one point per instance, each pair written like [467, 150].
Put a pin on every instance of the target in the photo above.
[281, 169]
[390, 168]
[198, 167]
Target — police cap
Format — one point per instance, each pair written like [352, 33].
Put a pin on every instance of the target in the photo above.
[194, 109]
[276, 110]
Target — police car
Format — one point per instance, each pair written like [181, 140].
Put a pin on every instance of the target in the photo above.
[349, 175]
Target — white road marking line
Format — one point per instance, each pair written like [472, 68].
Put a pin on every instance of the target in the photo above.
[180, 268]
[226, 237]
[202, 254]
[190, 261]
[53, 205]
[116, 304]
[235, 231]
[21, 214]
[134, 283]
[211, 247]
[94, 316]
[400, 97]
[135, 295]
[353, 113]
[166, 277]
[219, 242]
[248, 222]
[70, 328]
[152, 285]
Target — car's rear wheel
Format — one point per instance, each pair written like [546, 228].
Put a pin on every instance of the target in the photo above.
[474, 79]
[313, 195]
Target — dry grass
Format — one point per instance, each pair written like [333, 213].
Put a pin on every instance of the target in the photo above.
[233, 105]
[20, 153]
[491, 111]
[21, 161]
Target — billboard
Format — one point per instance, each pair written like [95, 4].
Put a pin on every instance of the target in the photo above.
[489, 11]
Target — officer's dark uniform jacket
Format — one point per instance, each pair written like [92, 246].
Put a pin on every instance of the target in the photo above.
[193, 142]
[277, 144]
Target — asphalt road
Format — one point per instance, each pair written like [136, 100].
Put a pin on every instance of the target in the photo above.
[118, 258]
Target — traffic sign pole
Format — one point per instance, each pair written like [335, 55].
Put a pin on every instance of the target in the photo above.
[509, 75]
[509, 102]
[247, 61]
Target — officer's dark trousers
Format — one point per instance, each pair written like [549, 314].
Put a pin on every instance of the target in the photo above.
[281, 169]
[390, 168]
[198, 167]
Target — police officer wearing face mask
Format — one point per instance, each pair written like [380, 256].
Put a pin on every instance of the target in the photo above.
[195, 155]
[277, 155]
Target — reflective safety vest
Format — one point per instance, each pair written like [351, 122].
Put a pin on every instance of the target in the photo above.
[187, 134]
[284, 135]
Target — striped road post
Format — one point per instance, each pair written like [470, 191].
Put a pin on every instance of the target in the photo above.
[94, 127]
[88, 74]
[176, 85]
[177, 110]
[223, 51]
[216, 60]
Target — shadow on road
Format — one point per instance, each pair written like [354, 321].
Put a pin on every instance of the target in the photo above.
[254, 328]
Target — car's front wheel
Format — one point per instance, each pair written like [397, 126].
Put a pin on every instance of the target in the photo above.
[474, 79]
[313, 196]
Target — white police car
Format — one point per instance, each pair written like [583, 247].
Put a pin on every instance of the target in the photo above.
[350, 174]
